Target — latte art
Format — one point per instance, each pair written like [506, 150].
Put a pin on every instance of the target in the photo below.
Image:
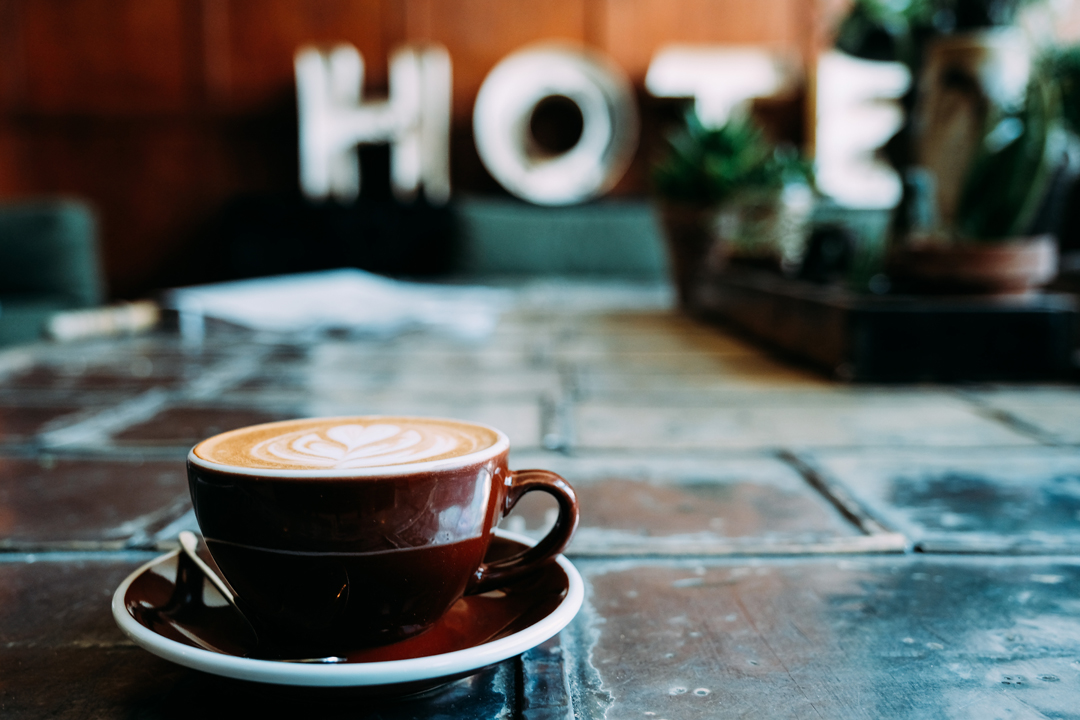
[350, 446]
[345, 443]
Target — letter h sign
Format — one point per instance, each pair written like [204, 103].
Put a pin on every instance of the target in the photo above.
[414, 120]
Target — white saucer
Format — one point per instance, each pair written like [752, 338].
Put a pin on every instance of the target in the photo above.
[394, 676]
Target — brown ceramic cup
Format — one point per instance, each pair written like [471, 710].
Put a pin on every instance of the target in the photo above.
[357, 538]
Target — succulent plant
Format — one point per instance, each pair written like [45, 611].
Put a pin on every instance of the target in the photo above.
[1063, 65]
[1012, 172]
[897, 29]
[1014, 176]
[707, 166]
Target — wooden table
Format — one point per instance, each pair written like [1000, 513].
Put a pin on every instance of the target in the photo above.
[756, 541]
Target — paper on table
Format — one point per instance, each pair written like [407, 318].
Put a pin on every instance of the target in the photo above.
[341, 299]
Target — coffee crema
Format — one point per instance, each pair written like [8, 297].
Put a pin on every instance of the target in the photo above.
[345, 443]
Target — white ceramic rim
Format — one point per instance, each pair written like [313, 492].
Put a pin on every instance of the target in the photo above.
[502, 444]
[354, 674]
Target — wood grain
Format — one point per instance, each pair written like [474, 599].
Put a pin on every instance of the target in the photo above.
[103, 56]
[480, 33]
[250, 62]
[634, 29]
[896, 637]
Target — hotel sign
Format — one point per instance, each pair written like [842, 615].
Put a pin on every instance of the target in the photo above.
[856, 114]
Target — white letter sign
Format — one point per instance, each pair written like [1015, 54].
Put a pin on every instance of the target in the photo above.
[721, 80]
[857, 113]
[415, 120]
[511, 93]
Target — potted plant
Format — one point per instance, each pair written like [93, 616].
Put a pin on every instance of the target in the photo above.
[988, 155]
[727, 192]
[1000, 198]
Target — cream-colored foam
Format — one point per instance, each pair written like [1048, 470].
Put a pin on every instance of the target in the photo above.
[345, 443]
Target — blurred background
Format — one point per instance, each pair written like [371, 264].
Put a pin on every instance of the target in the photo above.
[173, 125]
[174, 117]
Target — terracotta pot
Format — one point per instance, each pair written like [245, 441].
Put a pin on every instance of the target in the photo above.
[692, 235]
[1003, 267]
[766, 227]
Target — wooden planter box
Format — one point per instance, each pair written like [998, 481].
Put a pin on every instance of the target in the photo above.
[899, 338]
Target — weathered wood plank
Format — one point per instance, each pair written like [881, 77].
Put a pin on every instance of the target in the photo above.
[903, 637]
[989, 500]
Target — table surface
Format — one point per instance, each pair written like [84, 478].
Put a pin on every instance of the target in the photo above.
[756, 541]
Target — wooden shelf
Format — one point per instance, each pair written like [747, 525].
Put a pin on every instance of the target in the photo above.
[900, 338]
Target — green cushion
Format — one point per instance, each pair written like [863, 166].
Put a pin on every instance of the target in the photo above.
[614, 238]
[50, 246]
[23, 317]
[48, 262]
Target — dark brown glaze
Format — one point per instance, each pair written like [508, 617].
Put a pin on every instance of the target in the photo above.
[350, 514]
[322, 565]
[324, 603]
[173, 608]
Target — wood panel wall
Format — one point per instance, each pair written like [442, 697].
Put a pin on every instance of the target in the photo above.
[161, 111]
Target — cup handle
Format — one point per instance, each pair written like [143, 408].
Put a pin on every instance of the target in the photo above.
[501, 572]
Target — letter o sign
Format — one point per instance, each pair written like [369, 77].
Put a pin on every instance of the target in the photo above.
[504, 108]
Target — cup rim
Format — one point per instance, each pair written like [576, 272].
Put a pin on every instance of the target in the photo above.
[501, 445]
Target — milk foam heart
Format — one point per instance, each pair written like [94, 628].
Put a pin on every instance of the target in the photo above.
[345, 443]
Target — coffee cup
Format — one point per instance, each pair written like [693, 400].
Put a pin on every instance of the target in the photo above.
[341, 533]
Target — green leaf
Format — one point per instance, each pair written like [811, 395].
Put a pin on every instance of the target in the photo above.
[708, 165]
[1011, 172]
